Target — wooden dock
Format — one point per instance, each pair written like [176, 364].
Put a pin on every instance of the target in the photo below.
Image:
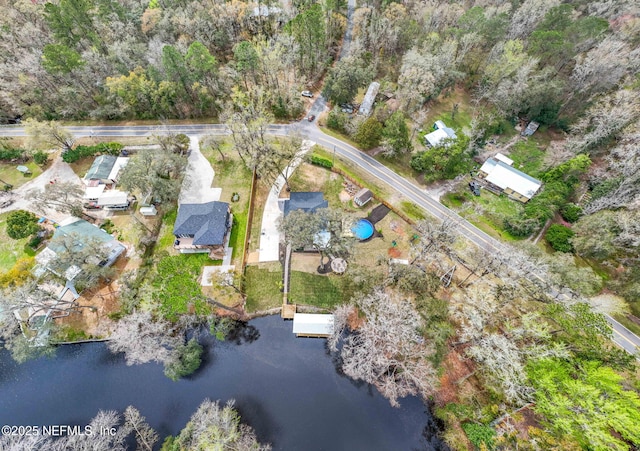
[288, 310]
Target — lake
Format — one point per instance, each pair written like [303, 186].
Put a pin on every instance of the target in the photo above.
[286, 388]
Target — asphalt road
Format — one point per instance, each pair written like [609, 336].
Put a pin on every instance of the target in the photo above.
[621, 335]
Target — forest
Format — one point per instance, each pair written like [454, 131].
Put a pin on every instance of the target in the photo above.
[572, 66]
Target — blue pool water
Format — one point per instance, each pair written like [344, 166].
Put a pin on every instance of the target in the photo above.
[362, 229]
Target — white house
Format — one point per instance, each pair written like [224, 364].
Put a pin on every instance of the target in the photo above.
[440, 133]
[504, 178]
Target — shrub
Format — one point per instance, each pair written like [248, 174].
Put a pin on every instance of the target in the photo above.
[40, 158]
[35, 241]
[187, 361]
[369, 133]
[21, 224]
[337, 121]
[8, 153]
[571, 212]
[321, 161]
[559, 237]
[479, 434]
[73, 155]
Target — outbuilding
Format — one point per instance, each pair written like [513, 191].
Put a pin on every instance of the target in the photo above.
[312, 325]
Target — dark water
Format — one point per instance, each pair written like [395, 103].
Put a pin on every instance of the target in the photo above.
[286, 388]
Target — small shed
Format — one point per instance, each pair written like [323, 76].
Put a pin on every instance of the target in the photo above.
[148, 211]
[531, 129]
[362, 197]
[312, 325]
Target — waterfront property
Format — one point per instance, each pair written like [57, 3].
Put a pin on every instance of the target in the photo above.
[202, 228]
[500, 177]
[76, 234]
[312, 325]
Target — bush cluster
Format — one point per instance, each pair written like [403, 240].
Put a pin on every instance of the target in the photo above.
[73, 155]
[321, 161]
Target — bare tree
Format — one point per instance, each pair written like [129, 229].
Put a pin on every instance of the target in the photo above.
[65, 197]
[48, 133]
[105, 432]
[144, 339]
[433, 236]
[387, 351]
[146, 437]
[216, 427]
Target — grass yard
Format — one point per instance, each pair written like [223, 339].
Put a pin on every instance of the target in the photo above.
[233, 177]
[441, 109]
[527, 157]
[262, 286]
[402, 166]
[319, 290]
[10, 175]
[412, 210]
[166, 237]
[176, 289]
[81, 166]
[394, 230]
[11, 250]
[485, 211]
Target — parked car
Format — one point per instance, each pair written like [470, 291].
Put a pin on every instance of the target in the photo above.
[311, 117]
[307, 94]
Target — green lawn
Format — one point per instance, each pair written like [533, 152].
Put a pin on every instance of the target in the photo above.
[527, 157]
[11, 250]
[412, 210]
[166, 237]
[262, 286]
[318, 290]
[494, 209]
[10, 175]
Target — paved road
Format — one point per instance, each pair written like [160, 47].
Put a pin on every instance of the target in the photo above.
[621, 335]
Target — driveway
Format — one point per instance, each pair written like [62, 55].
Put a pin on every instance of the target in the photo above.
[196, 188]
[58, 171]
[269, 235]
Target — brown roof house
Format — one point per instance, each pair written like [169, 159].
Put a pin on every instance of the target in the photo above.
[201, 228]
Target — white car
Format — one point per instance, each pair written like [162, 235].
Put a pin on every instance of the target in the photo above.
[307, 94]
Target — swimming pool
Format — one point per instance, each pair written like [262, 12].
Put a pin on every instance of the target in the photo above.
[363, 229]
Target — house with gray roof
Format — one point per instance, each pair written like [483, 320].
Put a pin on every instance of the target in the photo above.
[203, 228]
[305, 201]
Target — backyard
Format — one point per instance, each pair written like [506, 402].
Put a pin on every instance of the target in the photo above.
[263, 283]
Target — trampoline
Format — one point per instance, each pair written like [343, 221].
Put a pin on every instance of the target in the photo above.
[363, 229]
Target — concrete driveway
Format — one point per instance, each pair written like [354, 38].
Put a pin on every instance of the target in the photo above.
[269, 235]
[196, 188]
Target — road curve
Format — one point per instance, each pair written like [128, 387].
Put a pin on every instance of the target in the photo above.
[622, 336]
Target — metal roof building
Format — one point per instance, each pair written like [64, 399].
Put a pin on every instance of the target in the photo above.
[312, 325]
[441, 132]
[509, 180]
[367, 104]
